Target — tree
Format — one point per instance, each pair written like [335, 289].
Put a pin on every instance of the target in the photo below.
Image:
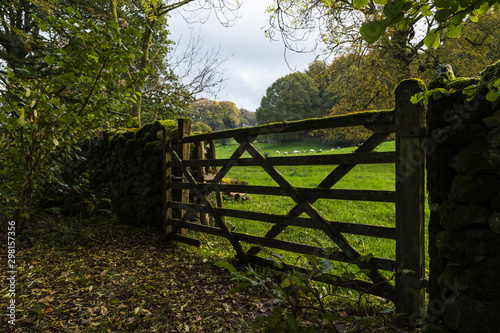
[49, 107]
[322, 75]
[477, 47]
[445, 16]
[336, 24]
[217, 115]
[292, 97]
[247, 118]
[151, 16]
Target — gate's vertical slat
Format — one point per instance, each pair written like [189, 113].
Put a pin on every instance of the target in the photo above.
[218, 194]
[199, 149]
[410, 196]
[167, 178]
[184, 129]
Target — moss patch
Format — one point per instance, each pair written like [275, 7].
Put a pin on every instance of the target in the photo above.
[455, 216]
[493, 137]
[467, 246]
[477, 157]
[482, 282]
[468, 315]
[490, 72]
[474, 189]
[495, 202]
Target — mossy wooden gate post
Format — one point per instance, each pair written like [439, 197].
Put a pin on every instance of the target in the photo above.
[410, 196]
[167, 179]
[199, 151]
[183, 130]
[184, 150]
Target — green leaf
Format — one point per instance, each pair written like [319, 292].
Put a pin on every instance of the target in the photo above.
[21, 121]
[426, 10]
[404, 25]
[393, 9]
[292, 321]
[492, 95]
[454, 31]
[286, 283]
[42, 26]
[238, 289]
[50, 60]
[364, 271]
[442, 15]
[369, 256]
[443, 3]
[417, 98]
[113, 24]
[360, 3]
[380, 2]
[372, 31]
[469, 91]
[432, 39]
[226, 265]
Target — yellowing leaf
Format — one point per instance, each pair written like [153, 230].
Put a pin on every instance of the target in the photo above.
[360, 3]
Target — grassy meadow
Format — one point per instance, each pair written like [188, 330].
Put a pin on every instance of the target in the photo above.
[373, 177]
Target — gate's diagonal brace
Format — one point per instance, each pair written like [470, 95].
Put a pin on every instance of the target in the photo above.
[211, 210]
[305, 206]
[334, 177]
[232, 160]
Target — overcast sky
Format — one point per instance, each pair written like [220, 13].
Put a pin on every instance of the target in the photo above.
[254, 62]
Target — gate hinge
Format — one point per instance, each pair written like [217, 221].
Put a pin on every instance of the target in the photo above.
[413, 282]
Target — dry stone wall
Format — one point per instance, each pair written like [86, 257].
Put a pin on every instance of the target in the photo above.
[463, 172]
[122, 172]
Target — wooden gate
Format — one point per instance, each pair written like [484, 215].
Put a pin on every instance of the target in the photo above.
[407, 121]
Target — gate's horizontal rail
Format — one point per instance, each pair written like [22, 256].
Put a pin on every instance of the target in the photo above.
[310, 193]
[343, 227]
[354, 119]
[380, 263]
[322, 159]
[382, 290]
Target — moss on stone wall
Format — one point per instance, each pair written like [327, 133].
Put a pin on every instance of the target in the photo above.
[455, 216]
[125, 170]
[474, 188]
[466, 180]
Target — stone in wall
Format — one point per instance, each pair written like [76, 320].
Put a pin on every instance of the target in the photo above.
[466, 181]
[123, 174]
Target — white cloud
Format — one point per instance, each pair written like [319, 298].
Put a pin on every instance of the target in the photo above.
[254, 61]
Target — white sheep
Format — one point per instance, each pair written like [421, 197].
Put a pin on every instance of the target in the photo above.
[296, 152]
[285, 153]
[312, 150]
[320, 150]
[277, 152]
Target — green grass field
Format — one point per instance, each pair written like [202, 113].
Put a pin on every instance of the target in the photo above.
[373, 177]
